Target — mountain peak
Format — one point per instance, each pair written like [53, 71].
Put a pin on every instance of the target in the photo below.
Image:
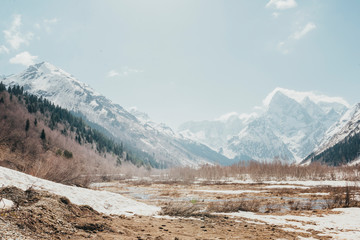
[282, 102]
[46, 68]
[304, 96]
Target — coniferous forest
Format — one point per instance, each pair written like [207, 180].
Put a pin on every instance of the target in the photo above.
[42, 118]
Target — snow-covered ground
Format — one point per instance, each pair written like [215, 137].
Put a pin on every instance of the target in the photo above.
[229, 191]
[286, 186]
[299, 183]
[101, 201]
[344, 225]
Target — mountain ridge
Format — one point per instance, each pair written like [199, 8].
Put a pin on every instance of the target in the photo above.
[341, 142]
[292, 124]
[44, 79]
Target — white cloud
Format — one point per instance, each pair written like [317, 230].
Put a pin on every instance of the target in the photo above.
[275, 14]
[281, 4]
[305, 30]
[48, 23]
[232, 115]
[125, 71]
[285, 46]
[3, 49]
[13, 35]
[300, 96]
[113, 73]
[227, 116]
[24, 58]
[51, 21]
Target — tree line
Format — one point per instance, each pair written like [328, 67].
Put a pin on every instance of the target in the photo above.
[71, 125]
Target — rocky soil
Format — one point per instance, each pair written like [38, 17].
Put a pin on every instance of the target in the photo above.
[41, 215]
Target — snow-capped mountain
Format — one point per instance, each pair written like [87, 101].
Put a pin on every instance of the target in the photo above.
[290, 126]
[157, 140]
[216, 133]
[341, 142]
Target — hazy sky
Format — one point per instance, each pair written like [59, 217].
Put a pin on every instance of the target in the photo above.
[189, 60]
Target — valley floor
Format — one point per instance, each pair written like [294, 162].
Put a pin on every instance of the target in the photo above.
[139, 209]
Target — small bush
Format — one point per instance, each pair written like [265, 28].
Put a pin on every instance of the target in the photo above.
[58, 152]
[68, 154]
[342, 197]
[235, 206]
[181, 210]
[270, 208]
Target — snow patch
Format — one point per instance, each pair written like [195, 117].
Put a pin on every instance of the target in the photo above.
[6, 204]
[229, 191]
[344, 225]
[101, 201]
[286, 186]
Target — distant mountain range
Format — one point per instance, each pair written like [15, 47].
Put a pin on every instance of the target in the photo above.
[142, 135]
[291, 126]
[341, 142]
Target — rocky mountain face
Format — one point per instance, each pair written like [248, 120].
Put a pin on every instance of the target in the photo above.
[341, 142]
[290, 126]
[139, 133]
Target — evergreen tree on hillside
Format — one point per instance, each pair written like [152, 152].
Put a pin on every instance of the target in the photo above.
[27, 126]
[42, 135]
[2, 87]
[57, 118]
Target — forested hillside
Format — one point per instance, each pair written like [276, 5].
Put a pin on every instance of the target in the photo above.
[45, 140]
[341, 153]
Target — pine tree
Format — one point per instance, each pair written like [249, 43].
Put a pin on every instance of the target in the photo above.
[27, 126]
[42, 135]
[2, 87]
[35, 122]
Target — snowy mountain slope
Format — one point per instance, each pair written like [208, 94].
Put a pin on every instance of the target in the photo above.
[291, 125]
[348, 124]
[258, 141]
[341, 142]
[102, 201]
[216, 133]
[157, 140]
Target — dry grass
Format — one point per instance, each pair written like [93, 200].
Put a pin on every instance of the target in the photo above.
[343, 197]
[300, 206]
[181, 209]
[271, 208]
[234, 206]
[263, 171]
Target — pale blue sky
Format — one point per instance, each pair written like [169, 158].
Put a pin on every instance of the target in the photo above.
[189, 59]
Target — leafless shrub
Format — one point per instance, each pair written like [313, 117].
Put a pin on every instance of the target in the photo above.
[170, 193]
[297, 205]
[294, 205]
[264, 171]
[342, 197]
[141, 182]
[270, 208]
[284, 191]
[252, 205]
[309, 205]
[181, 209]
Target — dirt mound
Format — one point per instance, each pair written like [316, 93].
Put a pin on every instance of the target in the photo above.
[20, 197]
[46, 215]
